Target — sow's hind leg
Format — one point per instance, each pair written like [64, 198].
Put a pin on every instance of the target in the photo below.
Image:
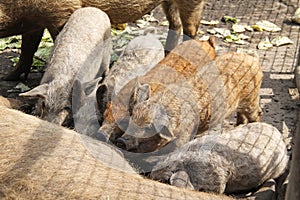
[190, 14]
[249, 110]
[172, 14]
[182, 14]
[30, 43]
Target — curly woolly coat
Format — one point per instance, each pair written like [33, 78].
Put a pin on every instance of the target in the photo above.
[238, 160]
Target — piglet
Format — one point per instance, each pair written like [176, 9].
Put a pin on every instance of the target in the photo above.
[237, 160]
[81, 49]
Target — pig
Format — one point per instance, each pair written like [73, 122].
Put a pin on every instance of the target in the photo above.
[30, 18]
[40, 160]
[162, 113]
[117, 112]
[81, 51]
[235, 161]
[294, 175]
[139, 57]
[10, 103]
[90, 99]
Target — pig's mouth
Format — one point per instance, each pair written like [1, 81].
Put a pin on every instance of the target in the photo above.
[141, 139]
[122, 143]
[141, 145]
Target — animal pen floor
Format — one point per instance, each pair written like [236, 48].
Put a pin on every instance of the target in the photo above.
[278, 92]
[279, 96]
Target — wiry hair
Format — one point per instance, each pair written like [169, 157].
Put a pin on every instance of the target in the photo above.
[237, 160]
[58, 96]
[143, 114]
[45, 161]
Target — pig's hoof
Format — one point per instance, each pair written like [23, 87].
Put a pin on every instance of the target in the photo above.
[121, 143]
[11, 77]
[14, 76]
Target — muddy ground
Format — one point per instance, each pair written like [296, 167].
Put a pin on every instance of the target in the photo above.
[279, 96]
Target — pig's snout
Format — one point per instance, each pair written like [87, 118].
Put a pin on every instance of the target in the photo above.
[128, 144]
[121, 143]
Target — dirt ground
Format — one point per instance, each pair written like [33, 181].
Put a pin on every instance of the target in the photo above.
[279, 96]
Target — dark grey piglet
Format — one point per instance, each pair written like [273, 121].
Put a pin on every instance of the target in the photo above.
[238, 160]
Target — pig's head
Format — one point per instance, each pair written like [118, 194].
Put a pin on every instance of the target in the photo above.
[173, 170]
[53, 105]
[111, 114]
[149, 128]
[165, 169]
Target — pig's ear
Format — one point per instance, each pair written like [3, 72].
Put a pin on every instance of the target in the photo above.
[103, 93]
[166, 134]
[140, 93]
[90, 86]
[37, 92]
[212, 41]
[181, 179]
[78, 96]
[111, 85]
[102, 96]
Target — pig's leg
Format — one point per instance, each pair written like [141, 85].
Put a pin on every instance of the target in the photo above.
[250, 111]
[190, 14]
[30, 43]
[172, 14]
